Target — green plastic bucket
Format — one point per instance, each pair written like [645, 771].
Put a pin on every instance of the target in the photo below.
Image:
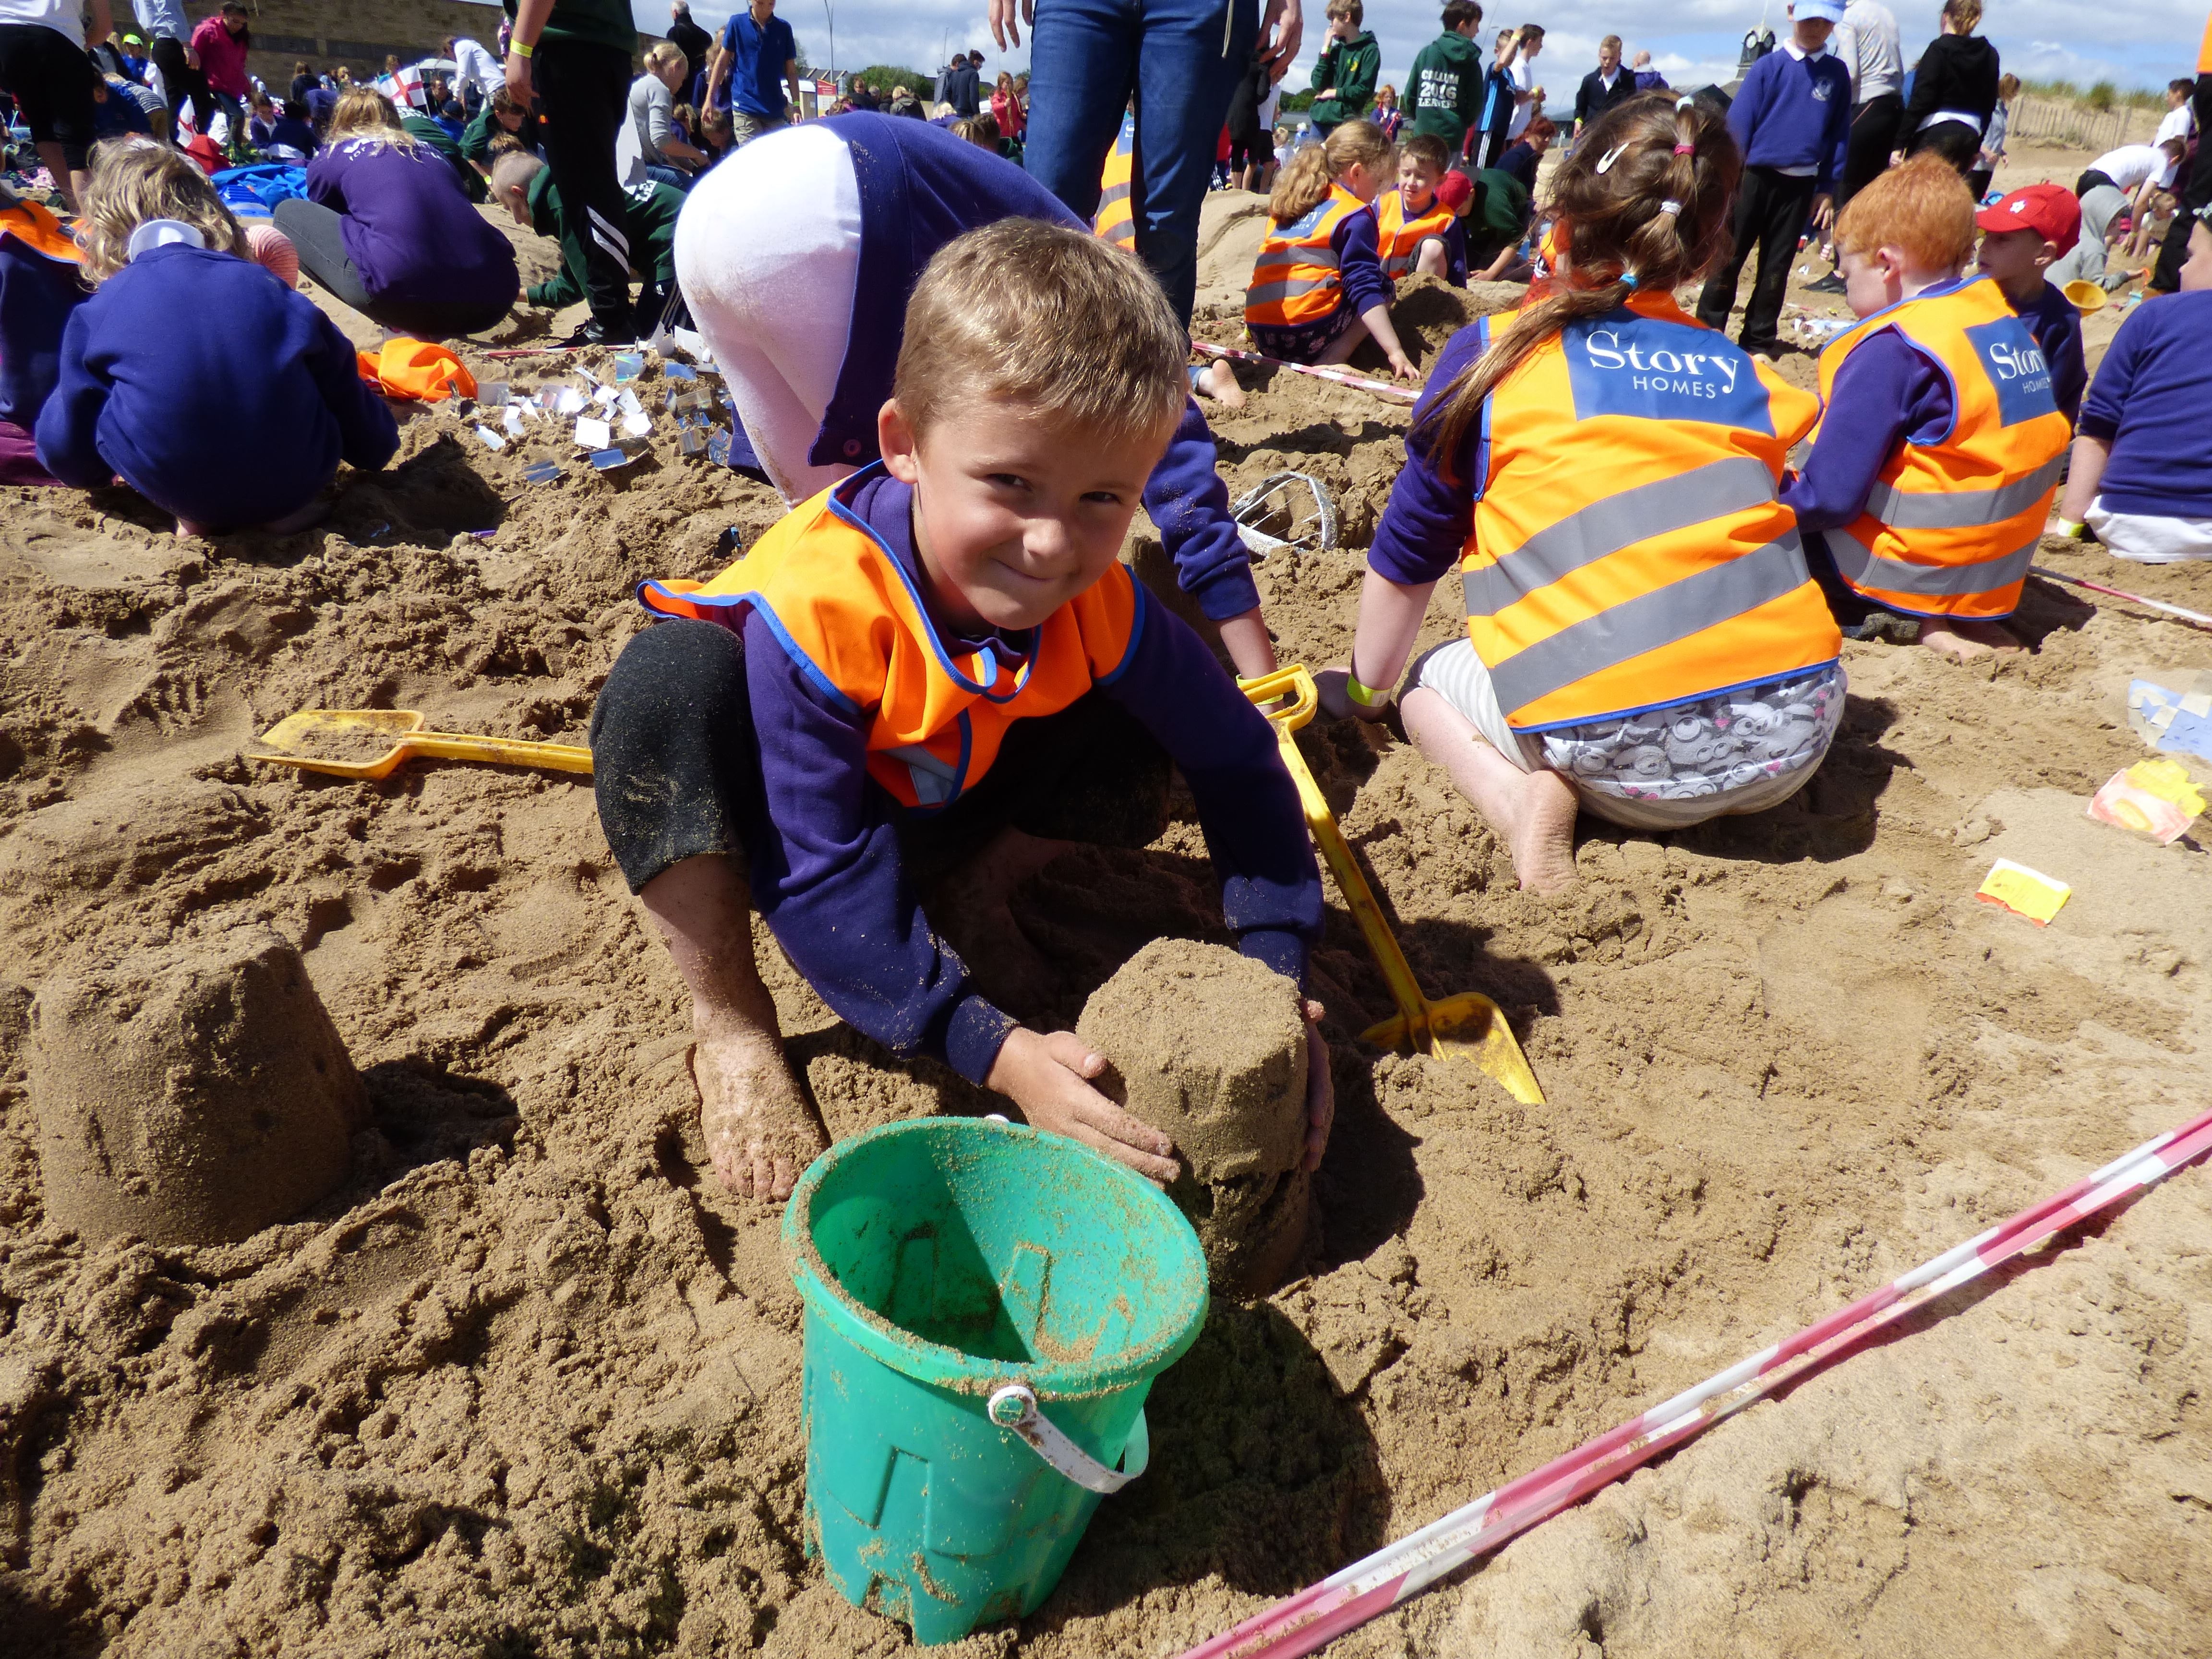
[987, 1306]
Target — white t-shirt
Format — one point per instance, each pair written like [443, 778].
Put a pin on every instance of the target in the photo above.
[1867, 42]
[474, 66]
[1523, 74]
[64, 17]
[2177, 123]
[2131, 164]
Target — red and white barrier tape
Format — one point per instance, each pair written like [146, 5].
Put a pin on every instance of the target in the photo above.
[1313, 1618]
[1382, 388]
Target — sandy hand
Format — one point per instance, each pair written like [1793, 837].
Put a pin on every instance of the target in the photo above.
[759, 1129]
[1050, 1077]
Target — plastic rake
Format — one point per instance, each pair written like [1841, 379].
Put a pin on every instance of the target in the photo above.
[2196, 616]
[1310, 1620]
[1381, 388]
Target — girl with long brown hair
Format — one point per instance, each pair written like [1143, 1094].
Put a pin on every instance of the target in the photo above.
[1318, 286]
[1644, 639]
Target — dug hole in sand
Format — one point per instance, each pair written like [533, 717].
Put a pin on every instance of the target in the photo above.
[1209, 1047]
[527, 1382]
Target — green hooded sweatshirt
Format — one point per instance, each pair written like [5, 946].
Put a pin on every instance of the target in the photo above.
[1351, 67]
[648, 221]
[1443, 95]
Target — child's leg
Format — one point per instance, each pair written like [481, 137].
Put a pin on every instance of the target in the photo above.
[317, 232]
[674, 763]
[1217, 381]
[1785, 206]
[1717, 297]
[1340, 349]
[1431, 260]
[1531, 808]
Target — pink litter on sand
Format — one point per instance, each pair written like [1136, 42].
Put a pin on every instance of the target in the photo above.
[1382, 388]
[1312, 1619]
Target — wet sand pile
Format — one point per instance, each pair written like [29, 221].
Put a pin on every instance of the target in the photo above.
[526, 1380]
[1209, 1047]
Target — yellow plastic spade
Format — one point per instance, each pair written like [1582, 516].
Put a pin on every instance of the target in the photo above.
[1469, 1027]
[409, 742]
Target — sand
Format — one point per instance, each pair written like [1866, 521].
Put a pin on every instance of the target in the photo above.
[527, 1380]
[1209, 1047]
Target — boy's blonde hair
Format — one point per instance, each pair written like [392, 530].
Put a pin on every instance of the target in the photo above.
[135, 180]
[367, 114]
[1086, 339]
[1922, 207]
[1306, 177]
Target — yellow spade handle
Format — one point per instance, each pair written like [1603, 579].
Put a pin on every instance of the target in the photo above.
[504, 751]
[1298, 685]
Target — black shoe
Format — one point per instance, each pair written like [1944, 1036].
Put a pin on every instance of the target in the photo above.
[593, 334]
[1831, 284]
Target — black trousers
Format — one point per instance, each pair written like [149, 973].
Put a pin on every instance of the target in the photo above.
[1955, 140]
[676, 768]
[585, 90]
[317, 232]
[51, 82]
[2196, 193]
[1874, 135]
[181, 80]
[1771, 209]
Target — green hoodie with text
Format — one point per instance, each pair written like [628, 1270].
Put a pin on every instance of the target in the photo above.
[1443, 95]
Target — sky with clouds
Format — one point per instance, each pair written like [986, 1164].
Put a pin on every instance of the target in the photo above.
[2140, 43]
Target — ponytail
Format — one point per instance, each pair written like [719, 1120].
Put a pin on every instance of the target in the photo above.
[1643, 203]
[1305, 182]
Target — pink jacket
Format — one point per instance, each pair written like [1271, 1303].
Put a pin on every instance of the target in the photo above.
[222, 57]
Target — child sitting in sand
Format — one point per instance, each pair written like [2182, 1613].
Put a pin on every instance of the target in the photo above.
[39, 290]
[1644, 639]
[2022, 237]
[1317, 288]
[524, 184]
[1940, 444]
[208, 385]
[2143, 464]
[1418, 233]
[923, 684]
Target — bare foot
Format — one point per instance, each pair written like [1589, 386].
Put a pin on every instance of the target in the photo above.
[760, 1132]
[1963, 640]
[1219, 382]
[1534, 812]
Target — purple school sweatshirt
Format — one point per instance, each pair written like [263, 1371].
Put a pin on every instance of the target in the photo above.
[919, 188]
[408, 229]
[825, 866]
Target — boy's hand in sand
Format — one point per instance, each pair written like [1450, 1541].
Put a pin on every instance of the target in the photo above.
[1329, 686]
[1049, 1076]
[1403, 368]
[1321, 1088]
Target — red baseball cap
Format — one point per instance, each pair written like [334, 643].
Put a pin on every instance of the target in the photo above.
[1454, 189]
[2048, 209]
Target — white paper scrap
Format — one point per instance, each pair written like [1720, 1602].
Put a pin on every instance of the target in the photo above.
[492, 440]
[593, 434]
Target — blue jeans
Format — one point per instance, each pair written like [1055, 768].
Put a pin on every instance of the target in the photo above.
[1086, 57]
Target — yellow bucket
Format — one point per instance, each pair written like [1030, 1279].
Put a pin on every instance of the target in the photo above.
[2087, 295]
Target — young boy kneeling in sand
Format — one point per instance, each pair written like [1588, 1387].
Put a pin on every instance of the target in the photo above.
[930, 678]
[1940, 444]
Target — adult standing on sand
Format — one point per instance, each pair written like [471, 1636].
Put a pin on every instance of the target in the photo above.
[574, 54]
[1954, 89]
[387, 229]
[1867, 43]
[44, 67]
[222, 42]
[793, 254]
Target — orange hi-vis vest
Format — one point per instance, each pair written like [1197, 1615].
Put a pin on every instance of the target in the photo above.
[1399, 239]
[36, 228]
[1950, 527]
[1628, 550]
[849, 615]
[1117, 211]
[1296, 280]
[2204, 52]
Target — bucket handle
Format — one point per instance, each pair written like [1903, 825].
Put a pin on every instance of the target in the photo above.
[1015, 1407]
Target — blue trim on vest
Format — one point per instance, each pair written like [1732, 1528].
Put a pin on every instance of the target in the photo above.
[1935, 291]
[1138, 610]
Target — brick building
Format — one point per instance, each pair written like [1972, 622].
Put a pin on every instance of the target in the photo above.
[358, 33]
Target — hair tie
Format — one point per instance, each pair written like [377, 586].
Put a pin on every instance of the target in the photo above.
[1685, 149]
[1612, 155]
[1628, 279]
[1670, 207]
[1687, 100]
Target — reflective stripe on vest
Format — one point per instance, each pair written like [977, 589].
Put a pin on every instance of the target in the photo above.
[1397, 239]
[1295, 279]
[825, 585]
[1116, 220]
[1629, 470]
[1943, 526]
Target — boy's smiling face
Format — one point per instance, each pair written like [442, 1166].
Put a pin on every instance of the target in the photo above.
[1013, 515]
[1417, 184]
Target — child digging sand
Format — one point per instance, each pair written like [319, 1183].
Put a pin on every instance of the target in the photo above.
[208, 386]
[1317, 288]
[1940, 444]
[1416, 233]
[1644, 639]
[918, 688]
[523, 183]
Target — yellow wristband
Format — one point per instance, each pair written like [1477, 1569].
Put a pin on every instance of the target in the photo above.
[1365, 696]
[2070, 529]
[522, 49]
